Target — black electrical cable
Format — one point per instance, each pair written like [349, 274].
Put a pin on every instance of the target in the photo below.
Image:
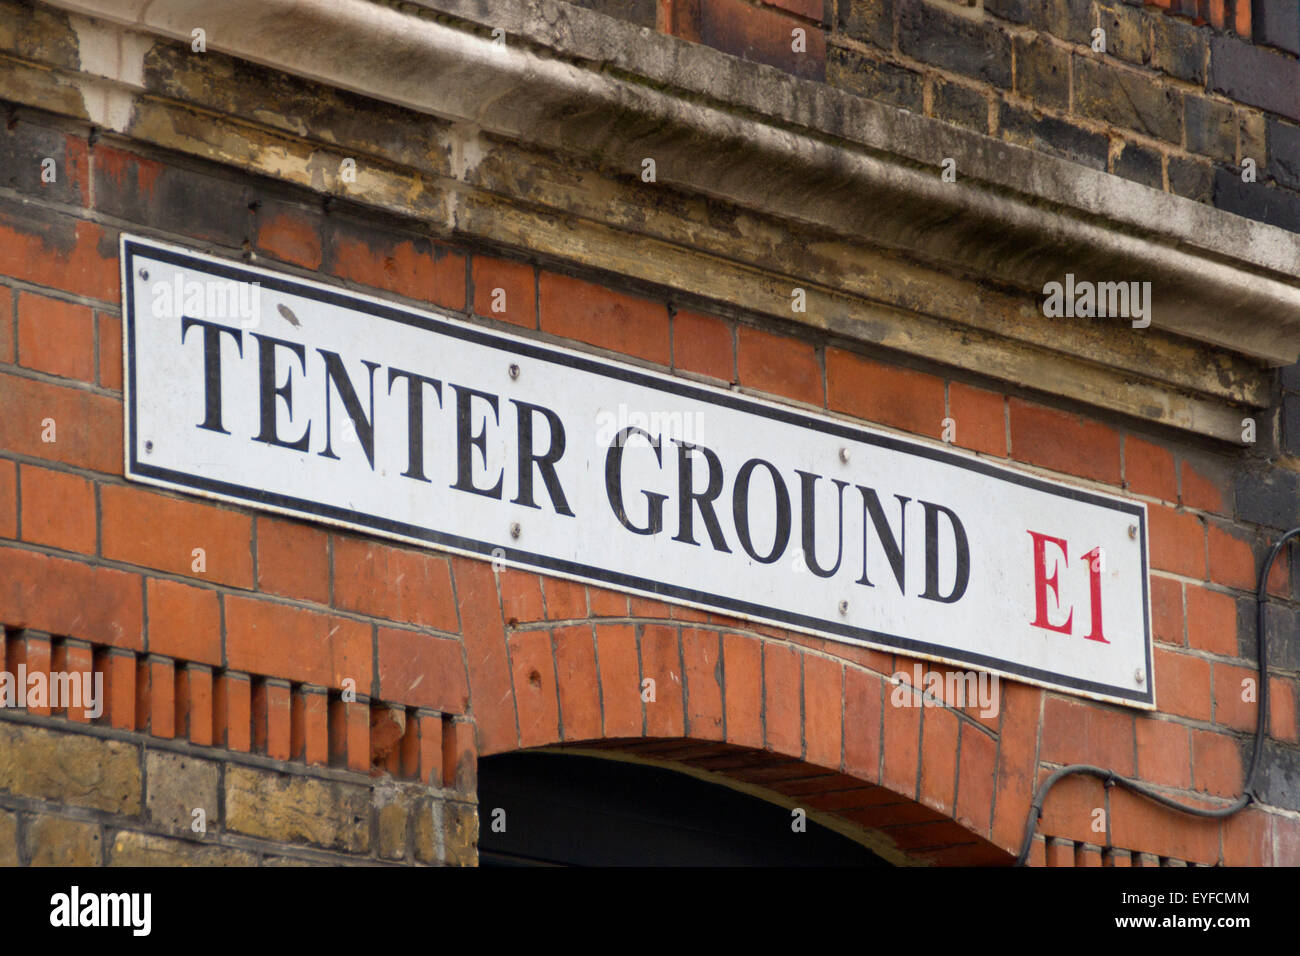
[1261, 731]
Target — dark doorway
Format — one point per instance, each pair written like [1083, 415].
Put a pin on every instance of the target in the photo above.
[570, 810]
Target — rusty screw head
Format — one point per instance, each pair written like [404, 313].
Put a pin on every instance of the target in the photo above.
[514, 370]
[515, 530]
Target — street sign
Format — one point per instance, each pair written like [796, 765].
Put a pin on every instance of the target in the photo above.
[287, 395]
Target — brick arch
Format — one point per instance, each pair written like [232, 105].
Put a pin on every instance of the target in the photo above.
[794, 719]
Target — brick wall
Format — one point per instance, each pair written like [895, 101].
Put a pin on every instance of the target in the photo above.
[227, 678]
[1184, 93]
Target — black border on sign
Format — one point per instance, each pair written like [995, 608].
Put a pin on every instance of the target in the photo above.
[456, 329]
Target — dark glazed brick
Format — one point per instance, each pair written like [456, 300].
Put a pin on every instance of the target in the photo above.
[1291, 423]
[640, 12]
[1052, 135]
[1133, 100]
[1256, 200]
[1271, 498]
[1179, 49]
[1211, 128]
[1256, 76]
[171, 197]
[1284, 153]
[1277, 23]
[1191, 179]
[1043, 71]
[975, 48]
[886, 82]
[1128, 32]
[1071, 20]
[22, 150]
[1291, 377]
[1140, 164]
[1278, 781]
[961, 105]
[871, 21]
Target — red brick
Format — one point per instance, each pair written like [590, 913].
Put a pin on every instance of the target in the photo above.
[979, 419]
[579, 685]
[1164, 753]
[58, 509]
[350, 734]
[195, 682]
[421, 670]
[704, 345]
[762, 35]
[1167, 610]
[742, 663]
[484, 638]
[516, 280]
[1232, 563]
[1183, 684]
[56, 337]
[1017, 762]
[1063, 442]
[1177, 541]
[1088, 733]
[976, 779]
[1199, 491]
[110, 350]
[413, 587]
[87, 427]
[605, 603]
[1286, 841]
[862, 702]
[8, 499]
[782, 724]
[233, 712]
[938, 758]
[565, 600]
[1283, 720]
[293, 560]
[780, 365]
[702, 657]
[1060, 853]
[422, 749]
[521, 597]
[898, 397]
[35, 653]
[7, 325]
[1087, 856]
[291, 237]
[101, 605]
[1248, 839]
[1212, 621]
[415, 268]
[184, 622]
[459, 758]
[72, 255]
[271, 719]
[579, 310]
[823, 694]
[275, 640]
[118, 668]
[1149, 469]
[1213, 10]
[811, 9]
[646, 608]
[310, 741]
[661, 662]
[1230, 709]
[533, 669]
[77, 657]
[161, 696]
[902, 747]
[1241, 19]
[140, 527]
[1216, 763]
[1070, 809]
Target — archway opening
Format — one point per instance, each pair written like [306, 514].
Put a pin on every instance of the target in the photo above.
[557, 809]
